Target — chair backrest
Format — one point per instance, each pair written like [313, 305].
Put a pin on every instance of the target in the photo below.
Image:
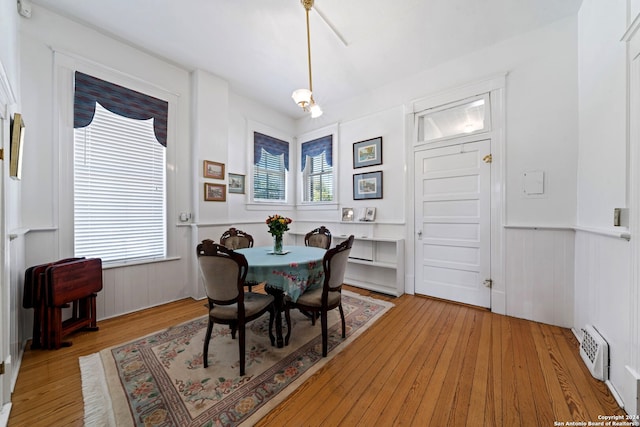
[335, 264]
[236, 239]
[319, 237]
[223, 272]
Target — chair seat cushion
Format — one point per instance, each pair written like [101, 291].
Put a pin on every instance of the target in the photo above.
[313, 298]
[253, 303]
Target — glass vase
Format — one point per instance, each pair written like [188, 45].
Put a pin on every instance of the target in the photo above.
[277, 244]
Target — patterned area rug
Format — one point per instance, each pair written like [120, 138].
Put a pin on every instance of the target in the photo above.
[159, 380]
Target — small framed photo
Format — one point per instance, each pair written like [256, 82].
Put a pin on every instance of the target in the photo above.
[215, 192]
[367, 186]
[347, 214]
[213, 170]
[370, 214]
[236, 183]
[367, 153]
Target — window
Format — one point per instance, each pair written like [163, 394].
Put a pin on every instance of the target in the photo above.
[119, 172]
[271, 162]
[317, 169]
[455, 119]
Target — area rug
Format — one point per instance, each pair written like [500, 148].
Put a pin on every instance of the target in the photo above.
[159, 380]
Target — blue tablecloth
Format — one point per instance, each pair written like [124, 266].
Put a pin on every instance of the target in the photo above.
[294, 272]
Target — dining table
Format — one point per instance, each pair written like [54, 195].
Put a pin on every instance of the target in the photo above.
[290, 274]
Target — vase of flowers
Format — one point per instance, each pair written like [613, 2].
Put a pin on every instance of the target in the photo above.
[277, 226]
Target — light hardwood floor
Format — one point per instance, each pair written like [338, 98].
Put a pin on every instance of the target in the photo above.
[426, 362]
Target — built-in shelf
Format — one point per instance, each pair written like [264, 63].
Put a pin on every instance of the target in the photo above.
[375, 263]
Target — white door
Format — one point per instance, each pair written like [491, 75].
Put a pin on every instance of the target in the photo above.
[453, 222]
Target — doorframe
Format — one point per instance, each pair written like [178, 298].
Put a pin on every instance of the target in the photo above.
[495, 86]
[7, 101]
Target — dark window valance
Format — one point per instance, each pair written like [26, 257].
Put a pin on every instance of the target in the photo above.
[119, 100]
[271, 145]
[315, 148]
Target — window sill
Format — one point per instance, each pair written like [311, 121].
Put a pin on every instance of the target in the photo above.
[327, 206]
[255, 206]
[120, 264]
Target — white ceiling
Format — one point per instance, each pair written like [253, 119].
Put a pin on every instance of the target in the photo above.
[259, 46]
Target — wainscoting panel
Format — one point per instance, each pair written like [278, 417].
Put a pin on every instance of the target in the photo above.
[540, 274]
[602, 292]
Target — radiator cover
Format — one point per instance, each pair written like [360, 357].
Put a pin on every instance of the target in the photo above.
[594, 351]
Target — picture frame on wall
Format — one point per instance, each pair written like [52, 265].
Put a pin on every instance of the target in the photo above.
[17, 146]
[367, 185]
[236, 183]
[367, 153]
[213, 170]
[215, 192]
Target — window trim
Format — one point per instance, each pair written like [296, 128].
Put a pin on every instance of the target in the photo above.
[331, 130]
[308, 162]
[252, 203]
[64, 68]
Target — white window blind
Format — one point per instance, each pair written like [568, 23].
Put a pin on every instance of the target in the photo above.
[318, 179]
[269, 178]
[119, 189]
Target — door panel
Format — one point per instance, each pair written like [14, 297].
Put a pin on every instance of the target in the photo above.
[452, 211]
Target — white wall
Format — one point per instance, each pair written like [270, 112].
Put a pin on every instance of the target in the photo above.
[602, 265]
[602, 171]
[208, 118]
[541, 134]
[543, 99]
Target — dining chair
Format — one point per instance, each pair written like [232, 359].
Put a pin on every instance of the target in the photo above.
[236, 239]
[319, 237]
[321, 300]
[223, 272]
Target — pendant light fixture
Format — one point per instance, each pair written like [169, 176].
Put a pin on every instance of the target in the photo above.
[304, 97]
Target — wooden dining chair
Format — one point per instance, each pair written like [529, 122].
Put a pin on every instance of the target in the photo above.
[321, 300]
[223, 272]
[236, 239]
[319, 237]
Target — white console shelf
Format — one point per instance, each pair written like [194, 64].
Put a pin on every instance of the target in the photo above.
[375, 263]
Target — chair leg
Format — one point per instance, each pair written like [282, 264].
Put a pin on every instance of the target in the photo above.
[287, 316]
[241, 344]
[234, 328]
[272, 314]
[342, 317]
[325, 332]
[207, 338]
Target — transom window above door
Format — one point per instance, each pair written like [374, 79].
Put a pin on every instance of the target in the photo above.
[468, 116]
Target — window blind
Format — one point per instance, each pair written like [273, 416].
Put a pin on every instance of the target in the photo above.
[269, 177]
[119, 189]
[318, 176]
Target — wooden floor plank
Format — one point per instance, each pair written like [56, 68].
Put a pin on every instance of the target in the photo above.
[418, 358]
[375, 396]
[480, 382]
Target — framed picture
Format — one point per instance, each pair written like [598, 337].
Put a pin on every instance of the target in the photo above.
[347, 214]
[213, 170]
[367, 186]
[236, 183]
[370, 214]
[367, 153]
[17, 146]
[215, 192]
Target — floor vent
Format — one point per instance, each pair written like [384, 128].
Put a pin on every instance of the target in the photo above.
[595, 353]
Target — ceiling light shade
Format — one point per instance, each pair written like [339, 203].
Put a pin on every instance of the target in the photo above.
[302, 97]
[315, 110]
